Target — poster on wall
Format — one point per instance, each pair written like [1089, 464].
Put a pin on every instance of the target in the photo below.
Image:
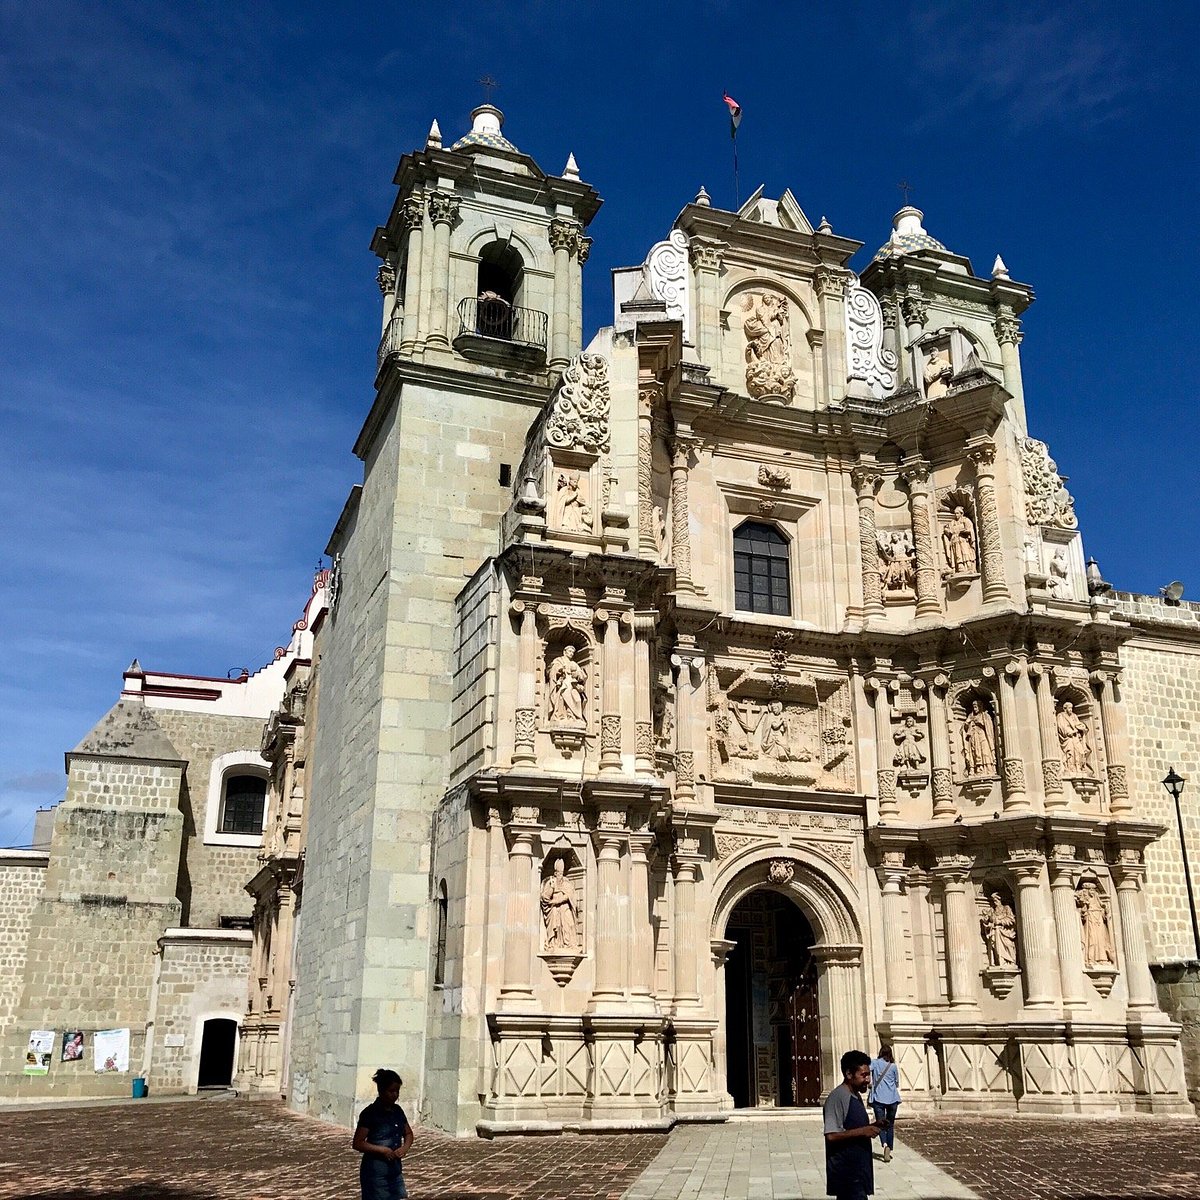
[72, 1047]
[111, 1049]
[41, 1047]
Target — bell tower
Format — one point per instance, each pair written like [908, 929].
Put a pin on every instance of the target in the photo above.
[481, 274]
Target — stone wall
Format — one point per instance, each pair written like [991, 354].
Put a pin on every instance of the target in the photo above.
[1179, 996]
[22, 876]
[212, 878]
[199, 977]
[473, 704]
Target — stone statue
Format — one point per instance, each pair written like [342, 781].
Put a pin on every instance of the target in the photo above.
[1058, 582]
[897, 560]
[1073, 740]
[908, 739]
[567, 682]
[937, 372]
[559, 909]
[576, 512]
[776, 733]
[1095, 928]
[958, 543]
[1000, 932]
[979, 741]
[768, 347]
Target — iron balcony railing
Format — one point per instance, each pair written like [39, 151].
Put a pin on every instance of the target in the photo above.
[495, 318]
[390, 342]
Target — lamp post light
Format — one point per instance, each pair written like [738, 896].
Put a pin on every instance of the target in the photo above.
[1174, 784]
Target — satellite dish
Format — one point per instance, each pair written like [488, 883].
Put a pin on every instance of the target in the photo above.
[1173, 591]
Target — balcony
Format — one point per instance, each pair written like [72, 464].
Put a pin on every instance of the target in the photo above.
[493, 329]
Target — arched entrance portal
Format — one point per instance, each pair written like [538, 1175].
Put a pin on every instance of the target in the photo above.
[772, 1025]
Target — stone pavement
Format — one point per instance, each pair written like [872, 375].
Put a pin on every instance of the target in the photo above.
[775, 1158]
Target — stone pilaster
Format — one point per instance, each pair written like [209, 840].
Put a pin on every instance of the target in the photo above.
[516, 990]
[892, 874]
[866, 482]
[1129, 874]
[1035, 928]
[650, 393]
[610, 934]
[831, 296]
[962, 931]
[1052, 772]
[681, 539]
[689, 667]
[705, 256]
[1012, 767]
[580, 250]
[684, 946]
[915, 310]
[525, 717]
[443, 212]
[641, 935]
[991, 550]
[644, 625]
[945, 807]
[563, 236]
[1007, 328]
[888, 805]
[610, 621]
[1112, 723]
[1063, 875]
[412, 215]
[916, 475]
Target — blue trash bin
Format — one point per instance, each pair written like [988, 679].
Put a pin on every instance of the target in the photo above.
[139, 1087]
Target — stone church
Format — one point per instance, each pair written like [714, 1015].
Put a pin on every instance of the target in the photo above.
[686, 705]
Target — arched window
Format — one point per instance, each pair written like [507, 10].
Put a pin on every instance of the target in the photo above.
[245, 797]
[760, 570]
[439, 958]
[501, 271]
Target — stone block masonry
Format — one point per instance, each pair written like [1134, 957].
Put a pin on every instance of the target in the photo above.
[22, 876]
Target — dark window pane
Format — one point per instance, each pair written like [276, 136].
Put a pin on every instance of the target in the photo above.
[245, 797]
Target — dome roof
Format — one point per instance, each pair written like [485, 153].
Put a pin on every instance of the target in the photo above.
[486, 121]
[909, 236]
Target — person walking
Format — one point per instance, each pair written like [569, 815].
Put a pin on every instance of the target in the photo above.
[885, 1097]
[849, 1167]
[383, 1138]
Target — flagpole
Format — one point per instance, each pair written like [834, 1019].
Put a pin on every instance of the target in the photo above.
[735, 119]
[737, 190]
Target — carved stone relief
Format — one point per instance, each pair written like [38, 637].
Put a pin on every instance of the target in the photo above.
[767, 327]
[998, 924]
[579, 414]
[976, 736]
[574, 511]
[666, 273]
[560, 910]
[868, 361]
[960, 548]
[781, 871]
[937, 368]
[1058, 576]
[1074, 741]
[566, 697]
[897, 560]
[1047, 501]
[1095, 925]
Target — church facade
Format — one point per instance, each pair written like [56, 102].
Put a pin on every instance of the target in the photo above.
[725, 692]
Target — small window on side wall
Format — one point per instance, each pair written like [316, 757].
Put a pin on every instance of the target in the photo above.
[439, 957]
[242, 805]
[760, 570]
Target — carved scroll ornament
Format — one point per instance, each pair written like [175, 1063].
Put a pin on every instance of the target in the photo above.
[579, 417]
[868, 361]
[1047, 501]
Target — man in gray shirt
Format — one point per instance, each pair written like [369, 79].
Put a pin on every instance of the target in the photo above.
[849, 1168]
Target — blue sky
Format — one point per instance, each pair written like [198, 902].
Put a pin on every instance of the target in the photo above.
[190, 313]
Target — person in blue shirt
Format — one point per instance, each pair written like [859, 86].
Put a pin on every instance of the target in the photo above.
[383, 1137]
[885, 1097]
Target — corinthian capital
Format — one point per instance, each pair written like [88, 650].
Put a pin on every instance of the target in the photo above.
[443, 208]
[705, 253]
[564, 235]
[866, 479]
[1007, 327]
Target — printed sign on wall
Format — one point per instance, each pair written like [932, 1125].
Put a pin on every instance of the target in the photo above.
[72, 1047]
[41, 1047]
[111, 1047]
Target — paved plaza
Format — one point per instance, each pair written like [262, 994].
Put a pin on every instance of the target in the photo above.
[240, 1150]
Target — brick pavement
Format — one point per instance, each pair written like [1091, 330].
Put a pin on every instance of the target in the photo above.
[256, 1150]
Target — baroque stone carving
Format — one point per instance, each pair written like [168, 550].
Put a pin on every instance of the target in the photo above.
[775, 477]
[1073, 745]
[579, 417]
[386, 278]
[566, 684]
[999, 925]
[610, 733]
[1047, 501]
[1095, 925]
[443, 208]
[574, 512]
[665, 272]
[959, 545]
[560, 910]
[978, 735]
[868, 361]
[937, 370]
[897, 560]
[908, 739]
[768, 346]
[1058, 579]
[780, 871]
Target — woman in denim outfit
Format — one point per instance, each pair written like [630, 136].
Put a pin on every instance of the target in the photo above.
[382, 1138]
[885, 1097]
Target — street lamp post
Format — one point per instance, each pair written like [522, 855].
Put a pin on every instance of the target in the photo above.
[1174, 784]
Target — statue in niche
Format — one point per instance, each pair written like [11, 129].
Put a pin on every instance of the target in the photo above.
[1073, 740]
[567, 682]
[768, 347]
[897, 560]
[559, 908]
[1058, 581]
[979, 741]
[664, 719]
[938, 370]
[1095, 928]
[908, 739]
[958, 542]
[660, 532]
[576, 513]
[999, 924]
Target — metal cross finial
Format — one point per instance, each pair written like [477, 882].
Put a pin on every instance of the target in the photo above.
[487, 83]
[905, 187]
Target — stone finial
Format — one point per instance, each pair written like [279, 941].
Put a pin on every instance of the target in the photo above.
[999, 270]
[1097, 585]
[703, 199]
[434, 140]
[571, 170]
[824, 226]
[134, 668]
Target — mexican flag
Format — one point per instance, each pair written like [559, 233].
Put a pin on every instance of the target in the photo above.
[735, 114]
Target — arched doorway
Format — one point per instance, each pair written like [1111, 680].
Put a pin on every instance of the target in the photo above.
[217, 1044]
[772, 1023]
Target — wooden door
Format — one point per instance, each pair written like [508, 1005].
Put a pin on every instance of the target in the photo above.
[804, 1025]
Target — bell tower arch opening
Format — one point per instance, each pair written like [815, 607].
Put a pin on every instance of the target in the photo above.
[772, 1021]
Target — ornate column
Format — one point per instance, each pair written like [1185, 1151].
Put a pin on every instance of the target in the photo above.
[1008, 333]
[581, 248]
[386, 278]
[1035, 930]
[412, 215]
[641, 935]
[962, 930]
[650, 393]
[916, 475]
[689, 666]
[1063, 874]
[684, 944]
[944, 806]
[891, 334]
[516, 989]
[525, 717]
[1052, 774]
[1012, 767]
[610, 690]
[892, 874]
[888, 805]
[443, 212]
[644, 624]
[681, 546]
[705, 256]
[562, 241]
[1128, 875]
[991, 556]
[866, 482]
[916, 312]
[1112, 722]
[609, 931]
